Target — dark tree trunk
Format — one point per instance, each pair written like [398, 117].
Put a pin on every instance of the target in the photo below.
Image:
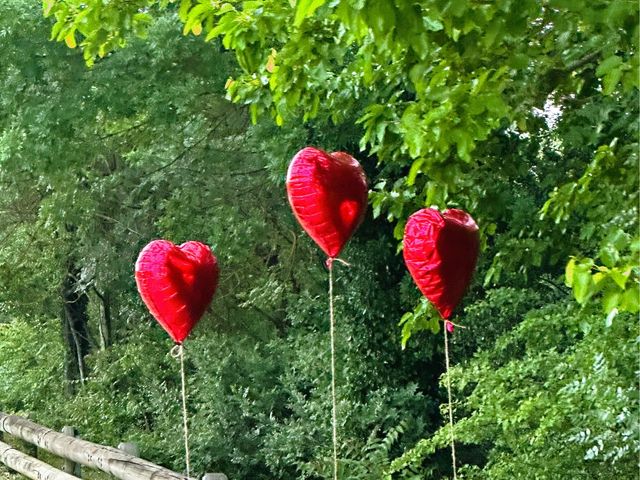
[74, 327]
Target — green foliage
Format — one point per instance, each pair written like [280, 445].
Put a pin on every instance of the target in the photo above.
[448, 72]
[32, 358]
[523, 113]
[555, 397]
[432, 84]
[149, 148]
[424, 317]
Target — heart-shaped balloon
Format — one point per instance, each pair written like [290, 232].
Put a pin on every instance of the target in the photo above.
[328, 195]
[177, 283]
[441, 251]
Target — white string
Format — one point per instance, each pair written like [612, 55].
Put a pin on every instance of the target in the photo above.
[334, 419]
[178, 352]
[446, 358]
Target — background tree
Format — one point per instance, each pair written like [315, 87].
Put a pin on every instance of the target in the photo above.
[142, 146]
[523, 113]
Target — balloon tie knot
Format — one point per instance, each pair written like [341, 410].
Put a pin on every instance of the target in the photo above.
[177, 350]
[330, 260]
[449, 325]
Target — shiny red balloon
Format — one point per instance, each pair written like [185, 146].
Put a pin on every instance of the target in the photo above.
[328, 195]
[441, 251]
[177, 283]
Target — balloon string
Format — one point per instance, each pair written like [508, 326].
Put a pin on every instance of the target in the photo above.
[334, 420]
[453, 444]
[178, 352]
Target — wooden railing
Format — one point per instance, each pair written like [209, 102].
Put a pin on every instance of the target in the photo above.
[122, 462]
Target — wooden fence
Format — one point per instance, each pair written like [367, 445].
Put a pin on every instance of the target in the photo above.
[122, 462]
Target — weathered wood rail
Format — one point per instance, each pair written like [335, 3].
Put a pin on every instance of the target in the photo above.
[76, 451]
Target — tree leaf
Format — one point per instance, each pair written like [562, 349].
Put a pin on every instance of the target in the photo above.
[609, 255]
[582, 284]
[70, 40]
[620, 277]
[305, 9]
[568, 272]
[610, 299]
[432, 24]
[631, 299]
[608, 64]
[414, 170]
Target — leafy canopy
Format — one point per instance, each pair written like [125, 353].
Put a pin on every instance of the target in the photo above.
[525, 113]
[431, 84]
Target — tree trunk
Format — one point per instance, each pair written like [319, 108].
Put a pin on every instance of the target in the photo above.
[74, 327]
[104, 322]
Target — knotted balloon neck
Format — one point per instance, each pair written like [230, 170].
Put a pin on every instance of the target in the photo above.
[449, 325]
[330, 260]
[177, 350]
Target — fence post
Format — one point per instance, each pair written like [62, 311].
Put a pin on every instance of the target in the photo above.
[69, 466]
[214, 476]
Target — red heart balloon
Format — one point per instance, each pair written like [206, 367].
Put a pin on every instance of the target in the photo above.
[328, 195]
[441, 251]
[177, 283]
